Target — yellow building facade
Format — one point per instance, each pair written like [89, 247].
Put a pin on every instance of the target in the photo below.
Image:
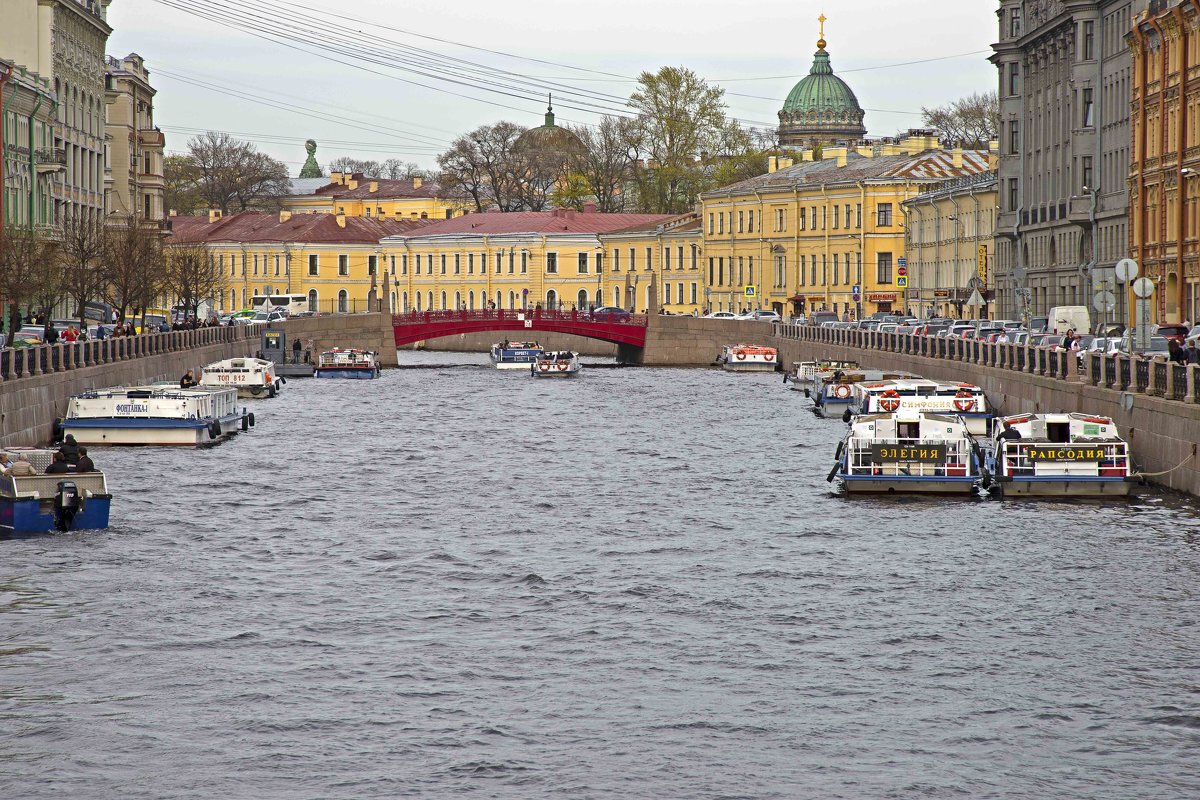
[356, 195]
[823, 235]
[656, 261]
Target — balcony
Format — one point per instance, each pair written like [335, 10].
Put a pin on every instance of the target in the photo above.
[151, 137]
[50, 159]
[1081, 209]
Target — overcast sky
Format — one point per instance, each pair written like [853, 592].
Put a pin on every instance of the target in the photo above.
[372, 109]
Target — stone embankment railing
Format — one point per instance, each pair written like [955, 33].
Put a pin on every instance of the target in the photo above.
[1124, 373]
[23, 362]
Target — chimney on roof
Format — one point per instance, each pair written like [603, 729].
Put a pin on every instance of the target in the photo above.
[352, 184]
[214, 215]
[341, 220]
[772, 163]
[416, 183]
[956, 158]
[841, 159]
[337, 177]
[589, 208]
[785, 162]
[172, 213]
[284, 216]
[373, 187]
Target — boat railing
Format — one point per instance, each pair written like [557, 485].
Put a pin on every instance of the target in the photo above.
[862, 458]
[44, 487]
[1112, 463]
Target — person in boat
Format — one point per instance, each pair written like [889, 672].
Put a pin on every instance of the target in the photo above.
[85, 463]
[296, 348]
[21, 468]
[58, 465]
[5, 463]
[69, 449]
[188, 380]
[1009, 432]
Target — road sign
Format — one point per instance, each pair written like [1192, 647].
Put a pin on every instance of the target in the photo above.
[751, 291]
[856, 293]
[901, 262]
[1143, 287]
[1104, 301]
[976, 298]
[901, 282]
[901, 270]
[973, 282]
[1127, 270]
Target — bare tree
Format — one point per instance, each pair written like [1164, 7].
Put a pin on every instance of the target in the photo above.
[29, 271]
[972, 121]
[234, 174]
[463, 173]
[350, 165]
[83, 243]
[606, 164]
[193, 276]
[134, 270]
[484, 165]
[182, 185]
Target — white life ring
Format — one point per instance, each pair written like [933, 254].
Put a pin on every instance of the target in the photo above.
[562, 366]
[842, 391]
[741, 356]
[544, 367]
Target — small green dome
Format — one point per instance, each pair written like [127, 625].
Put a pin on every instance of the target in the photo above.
[821, 107]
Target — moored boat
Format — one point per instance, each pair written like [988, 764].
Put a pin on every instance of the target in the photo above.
[515, 355]
[560, 364]
[908, 452]
[162, 414]
[808, 373]
[748, 358]
[833, 395]
[252, 377]
[64, 501]
[1059, 455]
[350, 362]
[918, 394]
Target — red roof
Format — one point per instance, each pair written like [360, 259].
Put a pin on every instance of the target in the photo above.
[256, 226]
[557, 221]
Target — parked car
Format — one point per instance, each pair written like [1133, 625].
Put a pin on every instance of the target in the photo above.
[720, 315]
[1038, 324]
[268, 317]
[887, 327]
[1069, 318]
[818, 317]
[933, 326]
[761, 315]
[961, 331]
[1173, 331]
[1159, 348]
[610, 314]
[909, 329]
[1018, 336]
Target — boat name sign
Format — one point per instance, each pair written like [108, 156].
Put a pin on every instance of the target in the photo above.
[132, 408]
[1039, 453]
[923, 454]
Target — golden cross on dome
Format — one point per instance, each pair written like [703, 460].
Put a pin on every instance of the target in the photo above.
[821, 19]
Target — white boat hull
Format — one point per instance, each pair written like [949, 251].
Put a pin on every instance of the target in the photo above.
[749, 366]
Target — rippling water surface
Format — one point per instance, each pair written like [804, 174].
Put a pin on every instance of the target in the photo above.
[454, 582]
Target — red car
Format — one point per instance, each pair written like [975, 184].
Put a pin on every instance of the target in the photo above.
[1172, 332]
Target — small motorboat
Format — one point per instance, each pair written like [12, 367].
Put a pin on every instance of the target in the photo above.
[63, 501]
[748, 358]
[918, 394]
[252, 377]
[1060, 455]
[515, 355]
[350, 362]
[909, 452]
[560, 364]
[806, 374]
[160, 414]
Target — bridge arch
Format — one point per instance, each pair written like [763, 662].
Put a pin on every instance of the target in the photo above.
[417, 326]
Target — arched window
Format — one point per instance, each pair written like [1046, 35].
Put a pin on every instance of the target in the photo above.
[393, 301]
[471, 300]
[243, 298]
[582, 305]
[343, 302]
[429, 305]
[443, 301]
[457, 300]
[312, 300]
[404, 301]
[499, 299]
[233, 306]
[512, 300]
[617, 296]
[418, 301]
[551, 300]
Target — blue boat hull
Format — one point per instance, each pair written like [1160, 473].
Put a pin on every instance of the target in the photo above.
[352, 374]
[30, 515]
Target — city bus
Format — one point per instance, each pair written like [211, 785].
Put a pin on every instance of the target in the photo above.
[291, 304]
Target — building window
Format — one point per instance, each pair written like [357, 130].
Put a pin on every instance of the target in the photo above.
[256, 263]
[835, 218]
[1089, 40]
[599, 265]
[312, 300]
[552, 263]
[694, 265]
[884, 214]
[649, 259]
[711, 218]
[633, 259]
[417, 265]
[343, 302]
[1087, 108]
[694, 285]
[1014, 79]
[800, 274]
[343, 265]
[470, 263]
[721, 222]
[499, 266]
[616, 259]
[458, 263]
[372, 265]
[1014, 137]
[403, 268]
[847, 216]
[741, 281]
[313, 267]
[836, 264]
[524, 262]
[443, 266]
[1012, 194]
[780, 220]
[1086, 172]
[858, 215]
[883, 268]
[511, 258]
[750, 228]
[803, 221]
[1014, 23]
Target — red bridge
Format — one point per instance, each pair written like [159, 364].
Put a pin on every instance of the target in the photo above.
[416, 326]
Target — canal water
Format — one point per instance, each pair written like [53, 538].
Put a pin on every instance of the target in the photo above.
[454, 582]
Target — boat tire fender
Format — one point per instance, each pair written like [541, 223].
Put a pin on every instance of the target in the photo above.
[245, 421]
[271, 392]
[250, 418]
[214, 430]
[58, 429]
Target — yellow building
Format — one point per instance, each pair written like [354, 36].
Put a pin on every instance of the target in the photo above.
[552, 259]
[950, 246]
[658, 255]
[333, 259]
[823, 234]
[356, 195]
[133, 169]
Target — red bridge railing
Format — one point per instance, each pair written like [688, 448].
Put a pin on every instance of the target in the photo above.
[519, 315]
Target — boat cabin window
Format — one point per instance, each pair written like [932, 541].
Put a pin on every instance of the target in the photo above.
[1058, 431]
[909, 430]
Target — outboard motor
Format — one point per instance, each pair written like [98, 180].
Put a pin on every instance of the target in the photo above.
[67, 503]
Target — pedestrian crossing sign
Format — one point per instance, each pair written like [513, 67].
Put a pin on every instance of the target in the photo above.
[751, 291]
[902, 282]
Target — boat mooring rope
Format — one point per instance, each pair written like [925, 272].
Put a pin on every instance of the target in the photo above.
[1166, 471]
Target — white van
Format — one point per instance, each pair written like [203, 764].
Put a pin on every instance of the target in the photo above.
[1065, 318]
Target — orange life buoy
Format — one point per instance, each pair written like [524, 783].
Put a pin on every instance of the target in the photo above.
[842, 391]
[544, 367]
[741, 356]
[890, 400]
[964, 400]
[562, 366]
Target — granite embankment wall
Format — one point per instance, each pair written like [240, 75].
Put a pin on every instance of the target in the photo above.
[368, 331]
[482, 342]
[682, 341]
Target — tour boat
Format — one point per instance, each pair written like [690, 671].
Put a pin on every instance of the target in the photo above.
[833, 395]
[748, 358]
[515, 355]
[162, 414]
[809, 373]
[348, 363]
[908, 452]
[1067, 454]
[252, 377]
[918, 394]
[556, 365]
[64, 501]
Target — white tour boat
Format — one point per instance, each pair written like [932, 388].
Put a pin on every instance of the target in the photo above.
[748, 358]
[252, 377]
[515, 355]
[1057, 455]
[162, 414]
[918, 394]
[908, 452]
[348, 362]
[809, 373]
[556, 365]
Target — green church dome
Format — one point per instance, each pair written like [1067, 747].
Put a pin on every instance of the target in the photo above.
[821, 108]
